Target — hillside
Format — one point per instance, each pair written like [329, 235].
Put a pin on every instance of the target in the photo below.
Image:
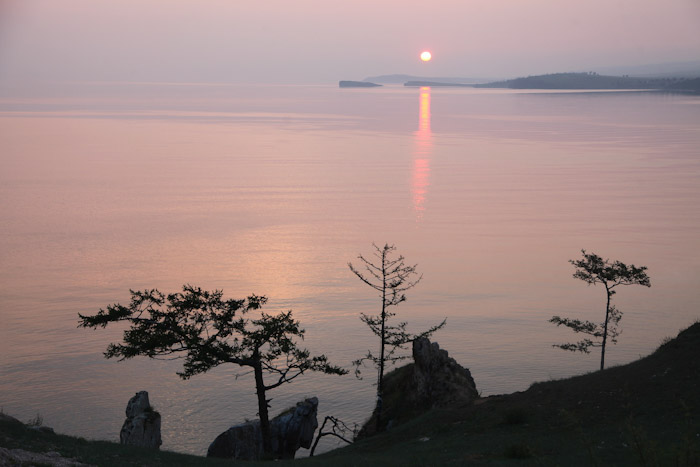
[688, 85]
[643, 413]
[580, 81]
[435, 84]
[686, 69]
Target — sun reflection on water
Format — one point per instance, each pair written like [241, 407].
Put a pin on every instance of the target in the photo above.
[422, 155]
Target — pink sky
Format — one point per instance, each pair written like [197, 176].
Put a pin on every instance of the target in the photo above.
[324, 41]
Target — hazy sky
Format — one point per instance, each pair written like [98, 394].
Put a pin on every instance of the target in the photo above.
[327, 40]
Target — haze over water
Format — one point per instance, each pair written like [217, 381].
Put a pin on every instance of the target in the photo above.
[273, 189]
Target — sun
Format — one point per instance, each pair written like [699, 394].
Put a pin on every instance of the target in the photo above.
[426, 56]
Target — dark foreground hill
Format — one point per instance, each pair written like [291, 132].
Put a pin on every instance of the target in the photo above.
[643, 413]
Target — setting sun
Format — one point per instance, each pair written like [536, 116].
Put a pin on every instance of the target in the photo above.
[426, 56]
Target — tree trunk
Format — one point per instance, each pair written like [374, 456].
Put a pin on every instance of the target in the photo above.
[380, 380]
[605, 329]
[262, 405]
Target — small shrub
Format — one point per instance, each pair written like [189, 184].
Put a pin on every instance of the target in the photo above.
[36, 421]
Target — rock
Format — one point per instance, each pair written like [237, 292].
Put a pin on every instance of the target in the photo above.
[138, 404]
[290, 430]
[142, 424]
[433, 380]
[438, 379]
[294, 428]
[242, 441]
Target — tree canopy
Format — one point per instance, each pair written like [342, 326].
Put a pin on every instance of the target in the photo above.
[206, 330]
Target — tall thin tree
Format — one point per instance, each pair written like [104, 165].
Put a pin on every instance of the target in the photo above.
[593, 270]
[390, 277]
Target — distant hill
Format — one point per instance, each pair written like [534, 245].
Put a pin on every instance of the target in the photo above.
[692, 85]
[562, 81]
[587, 81]
[436, 84]
[400, 79]
[690, 69]
[685, 69]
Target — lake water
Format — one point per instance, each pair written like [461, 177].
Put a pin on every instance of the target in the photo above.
[273, 189]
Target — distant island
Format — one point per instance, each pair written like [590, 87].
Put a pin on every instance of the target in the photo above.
[400, 79]
[686, 85]
[436, 84]
[654, 71]
[667, 76]
[357, 84]
[591, 80]
[553, 81]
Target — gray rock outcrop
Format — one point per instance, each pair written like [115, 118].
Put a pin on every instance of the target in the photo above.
[433, 380]
[290, 430]
[438, 380]
[294, 428]
[142, 424]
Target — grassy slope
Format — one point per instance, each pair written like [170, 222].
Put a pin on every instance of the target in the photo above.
[643, 413]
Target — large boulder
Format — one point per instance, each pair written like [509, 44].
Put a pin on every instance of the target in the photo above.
[433, 380]
[438, 380]
[242, 441]
[290, 430]
[142, 424]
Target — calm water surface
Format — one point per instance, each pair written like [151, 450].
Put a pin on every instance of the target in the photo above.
[273, 189]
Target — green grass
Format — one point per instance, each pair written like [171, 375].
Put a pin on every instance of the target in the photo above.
[644, 413]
